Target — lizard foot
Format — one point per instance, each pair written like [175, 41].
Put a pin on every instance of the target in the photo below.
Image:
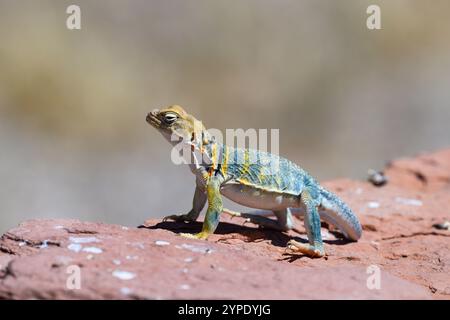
[178, 218]
[200, 235]
[231, 213]
[306, 249]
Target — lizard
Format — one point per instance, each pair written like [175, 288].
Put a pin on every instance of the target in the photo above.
[243, 175]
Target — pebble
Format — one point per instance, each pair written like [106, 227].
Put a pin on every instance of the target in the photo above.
[442, 226]
[377, 178]
[44, 244]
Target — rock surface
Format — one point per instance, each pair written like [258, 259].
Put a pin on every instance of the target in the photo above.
[42, 258]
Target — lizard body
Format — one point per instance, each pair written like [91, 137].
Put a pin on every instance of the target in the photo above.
[255, 179]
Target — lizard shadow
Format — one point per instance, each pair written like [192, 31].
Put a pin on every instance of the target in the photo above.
[247, 233]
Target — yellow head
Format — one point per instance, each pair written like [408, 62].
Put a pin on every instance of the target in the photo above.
[175, 124]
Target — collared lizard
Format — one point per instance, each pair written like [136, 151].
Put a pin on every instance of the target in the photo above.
[254, 179]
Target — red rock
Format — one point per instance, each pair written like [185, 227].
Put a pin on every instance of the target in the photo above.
[429, 171]
[244, 262]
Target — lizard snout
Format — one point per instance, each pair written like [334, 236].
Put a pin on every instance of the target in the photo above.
[152, 118]
[151, 114]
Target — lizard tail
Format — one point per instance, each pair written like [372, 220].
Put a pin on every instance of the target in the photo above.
[340, 215]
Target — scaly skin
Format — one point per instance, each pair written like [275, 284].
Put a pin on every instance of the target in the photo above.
[255, 179]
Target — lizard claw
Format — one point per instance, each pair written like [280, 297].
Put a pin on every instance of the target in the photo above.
[167, 218]
[289, 247]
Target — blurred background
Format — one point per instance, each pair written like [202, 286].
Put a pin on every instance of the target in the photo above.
[73, 137]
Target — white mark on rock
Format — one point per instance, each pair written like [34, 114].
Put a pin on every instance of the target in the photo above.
[123, 275]
[117, 262]
[358, 191]
[22, 243]
[139, 245]
[375, 244]
[58, 227]
[185, 287]
[92, 250]
[409, 202]
[185, 270]
[83, 239]
[373, 205]
[188, 259]
[74, 247]
[125, 291]
[125, 228]
[198, 249]
[131, 257]
[162, 243]
[89, 257]
[64, 260]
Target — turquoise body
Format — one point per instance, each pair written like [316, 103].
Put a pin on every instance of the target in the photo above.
[266, 181]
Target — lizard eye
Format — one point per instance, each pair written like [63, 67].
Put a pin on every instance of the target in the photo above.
[170, 118]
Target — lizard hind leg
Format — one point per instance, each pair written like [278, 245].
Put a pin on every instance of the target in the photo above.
[312, 224]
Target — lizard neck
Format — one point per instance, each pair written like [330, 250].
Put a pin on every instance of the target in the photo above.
[206, 154]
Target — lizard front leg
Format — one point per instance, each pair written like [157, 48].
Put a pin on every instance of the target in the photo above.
[197, 206]
[215, 208]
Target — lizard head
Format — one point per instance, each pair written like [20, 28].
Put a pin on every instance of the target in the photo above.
[176, 125]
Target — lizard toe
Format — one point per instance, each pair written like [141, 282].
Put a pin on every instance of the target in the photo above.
[306, 249]
[200, 235]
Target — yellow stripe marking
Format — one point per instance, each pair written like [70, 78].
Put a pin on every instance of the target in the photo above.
[214, 156]
[246, 162]
[225, 160]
